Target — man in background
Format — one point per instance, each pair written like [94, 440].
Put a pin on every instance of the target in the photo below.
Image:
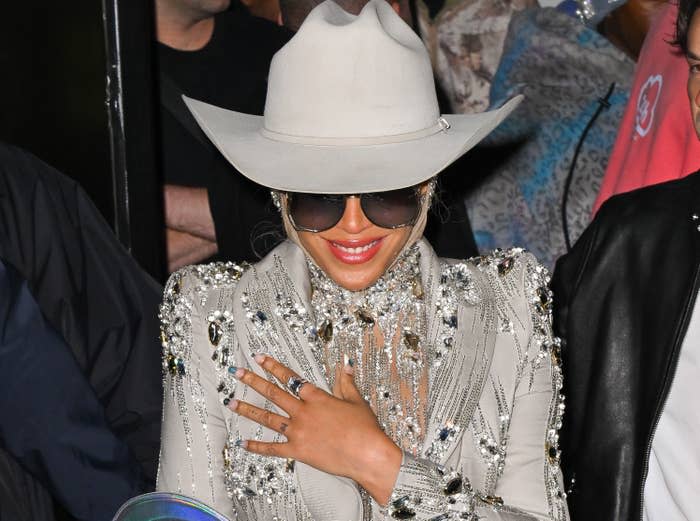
[537, 185]
[656, 141]
[626, 306]
[80, 365]
[218, 53]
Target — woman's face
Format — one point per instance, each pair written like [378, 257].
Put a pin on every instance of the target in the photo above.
[355, 252]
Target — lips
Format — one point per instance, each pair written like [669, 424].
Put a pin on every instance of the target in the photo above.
[355, 252]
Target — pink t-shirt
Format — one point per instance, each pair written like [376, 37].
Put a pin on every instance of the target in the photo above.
[656, 141]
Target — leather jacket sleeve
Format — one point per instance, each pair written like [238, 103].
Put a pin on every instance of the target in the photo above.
[623, 296]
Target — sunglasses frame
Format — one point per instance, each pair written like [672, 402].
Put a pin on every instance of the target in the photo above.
[420, 198]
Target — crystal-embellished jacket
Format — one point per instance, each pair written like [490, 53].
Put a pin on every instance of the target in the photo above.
[483, 442]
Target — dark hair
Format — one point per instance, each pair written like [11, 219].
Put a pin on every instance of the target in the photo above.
[294, 11]
[686, 9]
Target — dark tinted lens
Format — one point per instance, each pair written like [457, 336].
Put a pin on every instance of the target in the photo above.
[315, 212]
[392, 209]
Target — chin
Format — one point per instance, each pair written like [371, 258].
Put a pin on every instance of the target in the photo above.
[355, 277]
[353, 286]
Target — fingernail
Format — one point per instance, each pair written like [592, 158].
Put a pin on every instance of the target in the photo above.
[238, 373]
[233, 405]
[242, 443]
[232, 369]
[259, 358]
[348, 368]
[349, 361]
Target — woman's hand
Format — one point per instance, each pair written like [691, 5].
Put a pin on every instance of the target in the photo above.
[337, 433]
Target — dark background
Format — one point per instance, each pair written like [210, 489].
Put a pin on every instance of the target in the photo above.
[76, 90]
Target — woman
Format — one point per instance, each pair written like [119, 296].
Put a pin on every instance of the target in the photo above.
[352, 374]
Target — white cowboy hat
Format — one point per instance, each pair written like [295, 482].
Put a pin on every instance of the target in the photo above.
[351, 108]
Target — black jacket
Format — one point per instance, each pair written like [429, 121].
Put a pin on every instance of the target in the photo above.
[623, 300]
[52, 422]
[103, 307]
[90, 290]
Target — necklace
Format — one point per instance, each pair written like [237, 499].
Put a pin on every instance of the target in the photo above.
[382, 330]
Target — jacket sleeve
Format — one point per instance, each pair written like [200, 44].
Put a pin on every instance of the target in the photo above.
[585, 270]
[194, 426]
[569, 270]
[90, 290]
[529, 487]
[52, 422]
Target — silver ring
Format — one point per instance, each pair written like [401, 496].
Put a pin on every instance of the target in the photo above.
[294, 385]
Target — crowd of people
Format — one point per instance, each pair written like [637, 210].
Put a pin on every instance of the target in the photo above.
[363, 201]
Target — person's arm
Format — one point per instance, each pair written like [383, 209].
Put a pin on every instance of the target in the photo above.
[190, 236]
[184, 248]
[530, 485]
[194, 428]
[52, 422]
[187, 210]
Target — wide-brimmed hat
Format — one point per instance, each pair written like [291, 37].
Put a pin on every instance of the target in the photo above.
[351, 108]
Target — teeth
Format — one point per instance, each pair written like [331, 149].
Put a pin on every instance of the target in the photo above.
[359, 249]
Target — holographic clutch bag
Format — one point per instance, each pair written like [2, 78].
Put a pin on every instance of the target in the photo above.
[164, 506]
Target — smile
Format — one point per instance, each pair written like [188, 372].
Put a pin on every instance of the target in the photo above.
[355, 252]
[358, 249]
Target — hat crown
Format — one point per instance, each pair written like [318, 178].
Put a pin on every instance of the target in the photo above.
[346, 76]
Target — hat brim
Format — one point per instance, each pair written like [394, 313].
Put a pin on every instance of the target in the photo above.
[332, 169]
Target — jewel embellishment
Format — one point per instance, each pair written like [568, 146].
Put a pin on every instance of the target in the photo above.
[215, 332]
[325, 332]
[417, 288]
[544, 302]
[401, 508]
[176, 365]
[494, 501]
[364, 317]
[453, 484]
[552, 453]
[505, 266]
[411, 340]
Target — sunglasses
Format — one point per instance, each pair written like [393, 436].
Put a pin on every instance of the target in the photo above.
[320, 212]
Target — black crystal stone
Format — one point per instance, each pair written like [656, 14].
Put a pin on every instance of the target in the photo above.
[403, 513]
[215, 333]
[453, 486]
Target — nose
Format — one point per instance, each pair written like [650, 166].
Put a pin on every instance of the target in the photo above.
[354, 219]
